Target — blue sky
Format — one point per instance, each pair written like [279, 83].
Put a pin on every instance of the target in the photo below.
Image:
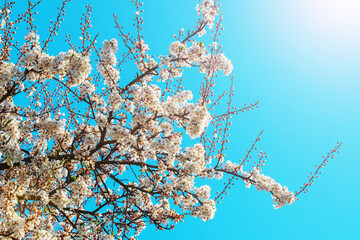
[301, 60]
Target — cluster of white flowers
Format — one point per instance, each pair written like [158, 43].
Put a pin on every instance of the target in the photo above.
[208, 11]
[199, 119]
[71, 64]
[231, 167]
[81, 188]
[55, 168]
[86, 88]
[143, 66]
[90, 140]
[206, 210]
[61, 199]
[196, 53]
[108, 61]
[121, 135]
[12, 152]
[5, 16]
[141, 46]
[177, 103]
[101, 119]
[25, 189]
[166, 129]
[203, 192]
[169, 145]
[11, 219]
[30, 50]
[281, 195]
[186, 183]
[193, 159]
[10, 134]
[42, 234]
[115, 99]
[90, 229]
[8, 72]
[178, 48]
[148, 96]
[215, 63]
[53, 127]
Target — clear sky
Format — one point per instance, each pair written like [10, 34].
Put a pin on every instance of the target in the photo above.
[300, 59]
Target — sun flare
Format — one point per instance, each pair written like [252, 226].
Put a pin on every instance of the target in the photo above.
[334, 15]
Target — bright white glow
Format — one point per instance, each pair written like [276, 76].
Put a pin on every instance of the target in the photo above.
[331, 27]
[334, 17]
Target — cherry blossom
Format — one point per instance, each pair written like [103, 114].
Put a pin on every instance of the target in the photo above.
[85, 155]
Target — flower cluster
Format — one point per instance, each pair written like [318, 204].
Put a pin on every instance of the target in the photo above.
[41, 66]
[178, 48]
[208, 11]
[194, 162]
[108, 61]
[197, 54]
[79, 161]
[203, 192]
[141, 46]
[281, 195]
[219, 62]
[199, 119]
[206, 210]
[73, 65]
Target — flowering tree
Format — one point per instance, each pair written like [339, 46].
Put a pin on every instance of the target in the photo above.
[86, 155]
